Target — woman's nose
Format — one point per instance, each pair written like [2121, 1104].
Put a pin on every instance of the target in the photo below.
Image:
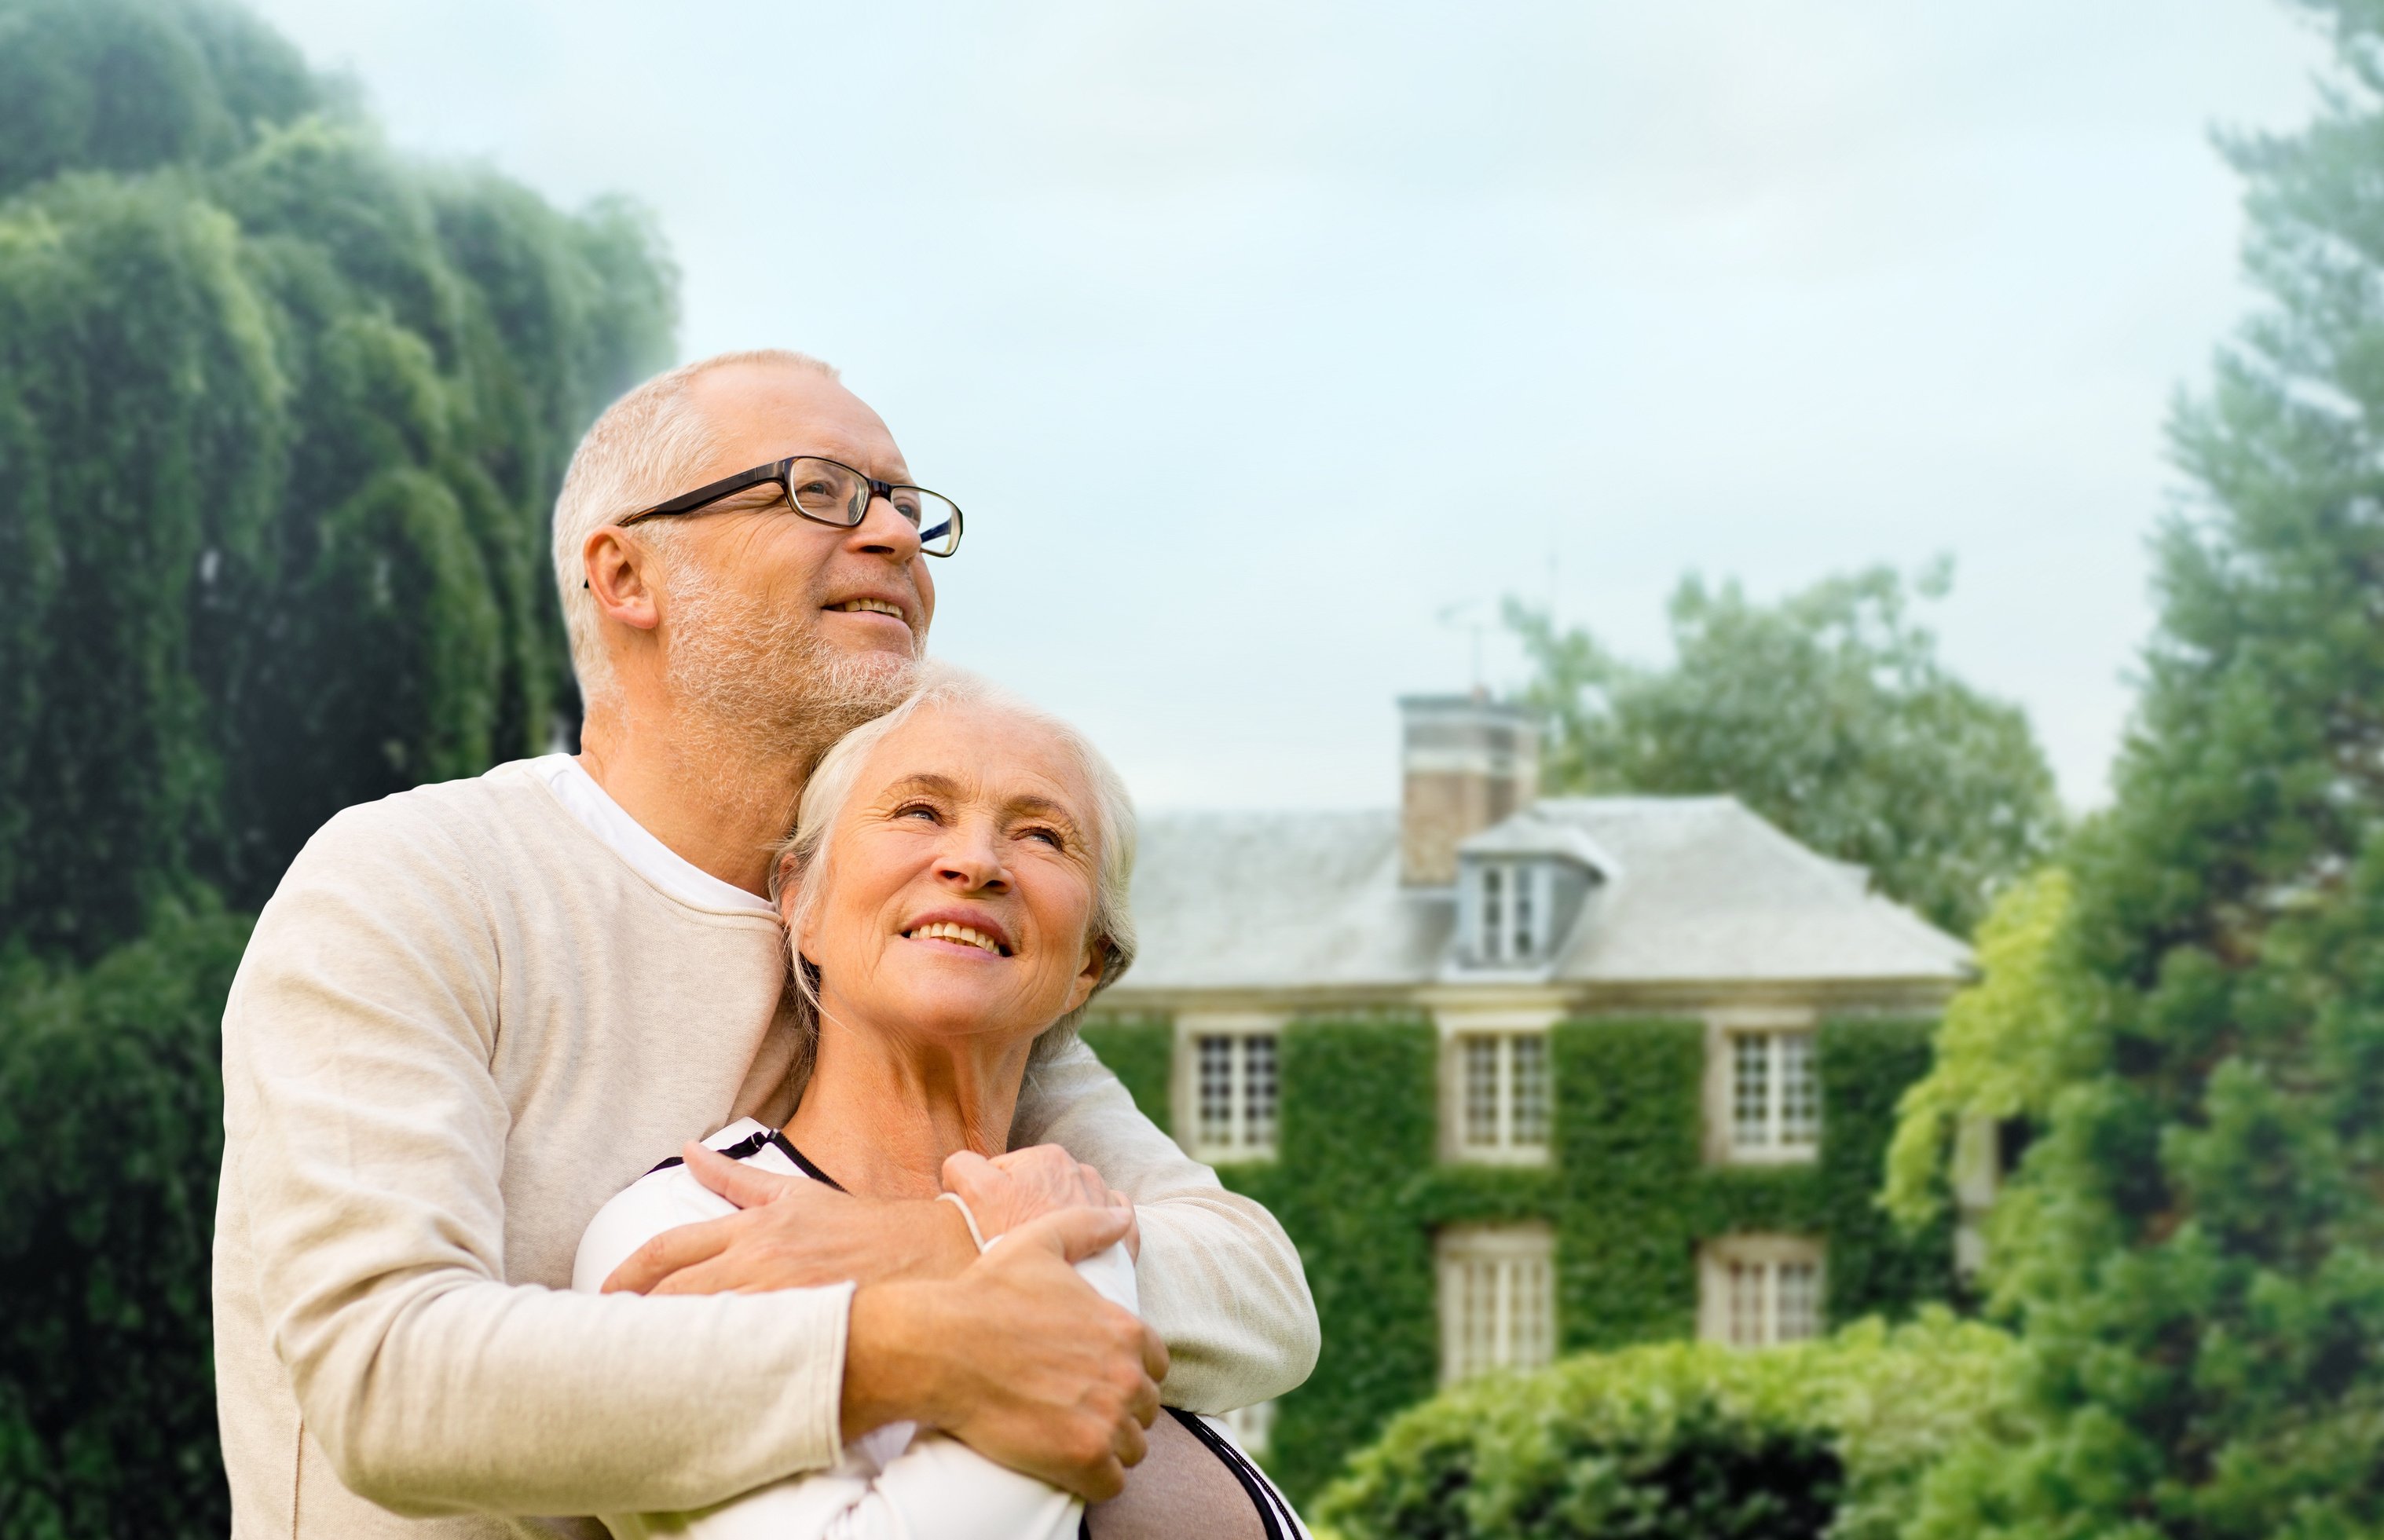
[972, 864]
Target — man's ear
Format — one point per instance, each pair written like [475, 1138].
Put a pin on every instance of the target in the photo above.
[620, 580]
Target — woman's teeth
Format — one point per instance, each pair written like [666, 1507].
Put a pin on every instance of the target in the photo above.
[944, 930]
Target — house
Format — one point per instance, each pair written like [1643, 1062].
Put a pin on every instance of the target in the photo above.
[1629, 1011]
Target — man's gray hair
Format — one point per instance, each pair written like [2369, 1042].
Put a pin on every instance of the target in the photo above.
[803, 857]
[645, 448]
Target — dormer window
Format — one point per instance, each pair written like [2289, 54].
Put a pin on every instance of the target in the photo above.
[1511, 912]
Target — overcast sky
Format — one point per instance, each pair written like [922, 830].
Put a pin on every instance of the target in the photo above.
[1257, 336]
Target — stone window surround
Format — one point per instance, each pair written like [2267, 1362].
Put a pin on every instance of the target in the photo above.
[1454, 1025]
[1184, 1090]
[1722, 1027]
[1716, 1257]
[1523, 1253]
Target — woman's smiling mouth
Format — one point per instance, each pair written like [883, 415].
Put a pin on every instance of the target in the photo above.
[948, 931]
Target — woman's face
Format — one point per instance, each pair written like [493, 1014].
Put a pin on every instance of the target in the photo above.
[958, 896]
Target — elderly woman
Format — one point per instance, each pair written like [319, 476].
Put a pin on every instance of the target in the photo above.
[954, 893]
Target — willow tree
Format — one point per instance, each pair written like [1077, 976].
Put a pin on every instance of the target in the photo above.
[2200, 1283]
[281, 419]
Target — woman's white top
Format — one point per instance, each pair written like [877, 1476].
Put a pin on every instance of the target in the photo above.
[899, 1482]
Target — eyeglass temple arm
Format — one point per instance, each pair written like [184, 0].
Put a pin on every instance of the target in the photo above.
[687, 503]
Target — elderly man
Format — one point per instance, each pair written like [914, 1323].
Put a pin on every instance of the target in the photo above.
[474, 1011]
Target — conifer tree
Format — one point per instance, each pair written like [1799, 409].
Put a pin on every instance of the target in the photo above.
[2200, 1283]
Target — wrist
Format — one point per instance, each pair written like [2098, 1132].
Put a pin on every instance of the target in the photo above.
[895, 1368]
[947, 1247]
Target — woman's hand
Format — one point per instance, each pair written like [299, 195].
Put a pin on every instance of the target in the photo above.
[1010, 1190]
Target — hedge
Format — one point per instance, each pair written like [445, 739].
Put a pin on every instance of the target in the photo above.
[1686, 1441]
[1360, 1189]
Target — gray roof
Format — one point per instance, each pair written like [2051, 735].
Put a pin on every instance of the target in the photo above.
[1693, 889]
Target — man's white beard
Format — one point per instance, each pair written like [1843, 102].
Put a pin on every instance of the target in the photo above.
[764, 680]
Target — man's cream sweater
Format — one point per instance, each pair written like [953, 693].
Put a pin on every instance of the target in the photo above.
[464, 1023]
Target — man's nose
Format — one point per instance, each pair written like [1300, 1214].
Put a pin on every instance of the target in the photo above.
[883, 531]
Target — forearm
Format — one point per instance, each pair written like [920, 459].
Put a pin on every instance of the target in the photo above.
[492, 1398]
[1221, 1281]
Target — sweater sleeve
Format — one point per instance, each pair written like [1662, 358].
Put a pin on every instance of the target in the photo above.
[1220, 1281]
[367, 1136]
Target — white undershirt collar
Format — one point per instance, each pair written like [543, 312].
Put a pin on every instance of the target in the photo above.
[610, 821]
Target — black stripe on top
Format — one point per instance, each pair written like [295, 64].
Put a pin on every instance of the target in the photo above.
[1254, 1483]
[752, 1145]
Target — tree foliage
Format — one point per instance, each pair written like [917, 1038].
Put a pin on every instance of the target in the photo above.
[281, 419]
[1689, 1440]
[2008, 1045]
[111, 1115]
[2202, 1282]
[1828, 712]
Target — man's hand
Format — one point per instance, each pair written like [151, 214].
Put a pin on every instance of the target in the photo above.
[1017, 1358]
[1009, 1191]
[793, 1232]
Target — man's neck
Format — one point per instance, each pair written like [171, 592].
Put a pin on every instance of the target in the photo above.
[719, 804]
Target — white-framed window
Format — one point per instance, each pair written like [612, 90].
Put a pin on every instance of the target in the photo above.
[1498, 1299]
[1502, 1101]
[1511, 911]
[1252, 1427]
[1226, 1087]
[1775, 1094]
[1759, 1291]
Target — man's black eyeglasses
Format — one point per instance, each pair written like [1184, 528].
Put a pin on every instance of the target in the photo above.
[827, 493]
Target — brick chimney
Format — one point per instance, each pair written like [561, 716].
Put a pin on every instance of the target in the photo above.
[1467, 762]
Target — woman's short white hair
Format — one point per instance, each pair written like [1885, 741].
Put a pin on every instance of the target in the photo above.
[803, 857]
[644, 449]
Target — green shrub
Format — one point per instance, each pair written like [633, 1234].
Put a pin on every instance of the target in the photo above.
[1685, 1439]
[111, 1131]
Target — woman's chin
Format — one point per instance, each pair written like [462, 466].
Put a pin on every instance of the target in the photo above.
[949, 1009]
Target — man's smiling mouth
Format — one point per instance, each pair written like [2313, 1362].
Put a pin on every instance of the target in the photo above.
[944, 930]
[870, 606]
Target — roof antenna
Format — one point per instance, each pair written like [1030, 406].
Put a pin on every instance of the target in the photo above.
[1455, 616]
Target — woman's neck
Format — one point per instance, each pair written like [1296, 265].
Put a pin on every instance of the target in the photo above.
[883, 1111]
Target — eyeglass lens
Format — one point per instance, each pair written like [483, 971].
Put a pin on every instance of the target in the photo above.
[830, 493]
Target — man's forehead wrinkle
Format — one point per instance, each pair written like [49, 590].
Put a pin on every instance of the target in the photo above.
[762, 414]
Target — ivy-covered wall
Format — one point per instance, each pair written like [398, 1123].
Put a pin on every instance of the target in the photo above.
[1360, 1189]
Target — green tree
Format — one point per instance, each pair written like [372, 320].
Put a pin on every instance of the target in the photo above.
[2201, 1281]
[282, 419]
[111, 1122]
[1828, 712]
[2008, 1045]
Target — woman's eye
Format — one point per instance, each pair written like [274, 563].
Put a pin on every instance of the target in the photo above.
[1049, 837]
[919, 810]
